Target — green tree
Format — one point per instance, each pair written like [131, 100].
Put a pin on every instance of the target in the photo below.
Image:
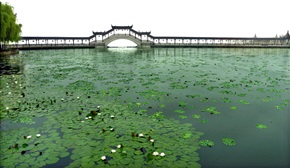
[9, 30]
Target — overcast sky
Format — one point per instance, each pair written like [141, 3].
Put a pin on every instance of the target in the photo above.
[231, 18]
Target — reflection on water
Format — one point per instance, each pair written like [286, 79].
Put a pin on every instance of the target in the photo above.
[9, 65]
[224, 93]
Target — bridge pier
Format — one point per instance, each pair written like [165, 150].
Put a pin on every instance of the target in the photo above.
[145, 45]
[100, 45]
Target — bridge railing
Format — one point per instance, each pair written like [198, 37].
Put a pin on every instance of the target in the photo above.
[26, 46]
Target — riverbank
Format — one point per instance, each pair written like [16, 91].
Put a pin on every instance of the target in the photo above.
[8, 52]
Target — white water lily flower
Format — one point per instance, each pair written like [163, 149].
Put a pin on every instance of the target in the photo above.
[78, 97]
[82, 121]
[99, 113]
[112, 129]
[38, 135]
[119, 146]
[62, 99]
[86, 118]
[155, 154]
[90, 116]
[7, 108]
[113, 150]
[28, 137]
[9, 92]
[103, 157]
[151, 140]
[112, 116]
[98, 107]
[162, 154]
[15, 82]
[141, 135]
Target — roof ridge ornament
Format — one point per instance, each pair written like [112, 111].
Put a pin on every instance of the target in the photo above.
[121, 27]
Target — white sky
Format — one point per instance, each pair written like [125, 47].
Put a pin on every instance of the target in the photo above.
[230, 18]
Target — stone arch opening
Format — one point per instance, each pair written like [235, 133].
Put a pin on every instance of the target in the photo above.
[124, 37]
[122, 43]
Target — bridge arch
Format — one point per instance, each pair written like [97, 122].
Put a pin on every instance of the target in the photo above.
[114, 37]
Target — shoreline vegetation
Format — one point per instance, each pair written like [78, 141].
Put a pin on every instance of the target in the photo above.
[10, 30]
[9, 52]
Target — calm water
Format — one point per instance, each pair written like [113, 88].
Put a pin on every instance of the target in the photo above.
[242, 94]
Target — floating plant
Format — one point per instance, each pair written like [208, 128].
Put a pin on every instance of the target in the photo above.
[182, 116]
[56, 95]
[267, 99]
[211, 110]
[244, 102]
[203, 121]
[179, 111]
[206, 142]
[229, 141]
[226, 100]
[204, 100]
[182, 104]
[261, 126]
[197, 116]
[192, 96]
[279, 108]
[233, 107]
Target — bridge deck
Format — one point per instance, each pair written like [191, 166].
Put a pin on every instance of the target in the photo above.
[48, 46]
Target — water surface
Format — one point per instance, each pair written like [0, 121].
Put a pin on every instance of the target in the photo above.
[180, 96]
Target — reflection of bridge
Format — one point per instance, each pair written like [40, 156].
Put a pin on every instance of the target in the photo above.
[146, 40]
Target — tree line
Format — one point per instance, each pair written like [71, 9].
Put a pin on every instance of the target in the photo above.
[10, 30]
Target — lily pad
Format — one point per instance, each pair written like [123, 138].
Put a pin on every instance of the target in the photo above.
[187, 135]
[203, 121]
[233, 107]
[244, 102]
[196, 116]
[261, 126]
[179, 111]
[211, 110]
[182, 104]
[229, 141]
[206, 142]
[182, 116]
